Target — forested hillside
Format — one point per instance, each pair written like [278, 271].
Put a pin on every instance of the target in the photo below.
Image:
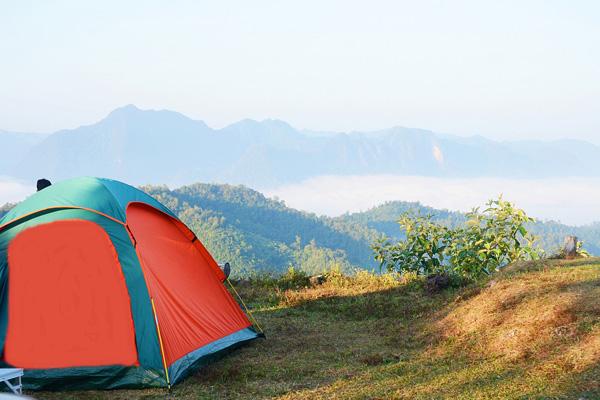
[258, 234]
[550, 234]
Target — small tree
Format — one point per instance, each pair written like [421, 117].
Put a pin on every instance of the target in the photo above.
[422, 251]
[489, 240]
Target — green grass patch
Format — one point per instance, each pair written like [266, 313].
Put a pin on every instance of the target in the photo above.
[531, 331]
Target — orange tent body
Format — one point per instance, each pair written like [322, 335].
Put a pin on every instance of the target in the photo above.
[102, 286]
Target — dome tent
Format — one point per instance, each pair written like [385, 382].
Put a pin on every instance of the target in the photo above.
[101, 286]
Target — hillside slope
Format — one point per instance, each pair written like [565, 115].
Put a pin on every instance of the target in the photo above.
[532, 331]
[550, 235]
[258, 234]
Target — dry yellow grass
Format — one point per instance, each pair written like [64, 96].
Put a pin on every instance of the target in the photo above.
[529, 315]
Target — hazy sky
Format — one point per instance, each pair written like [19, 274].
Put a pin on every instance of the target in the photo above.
[502, 69]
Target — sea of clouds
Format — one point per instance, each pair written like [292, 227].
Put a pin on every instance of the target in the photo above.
[574, 201]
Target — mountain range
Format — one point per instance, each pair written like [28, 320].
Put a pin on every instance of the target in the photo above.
[147, 146]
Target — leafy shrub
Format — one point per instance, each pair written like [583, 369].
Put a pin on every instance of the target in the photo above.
[423, 250]
[489, 240]
[581, 252]
[293, 279]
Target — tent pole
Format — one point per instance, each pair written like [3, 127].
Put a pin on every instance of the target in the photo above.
[162, 350]
[245, 307]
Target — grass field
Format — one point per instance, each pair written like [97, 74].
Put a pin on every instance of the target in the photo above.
[532, 331]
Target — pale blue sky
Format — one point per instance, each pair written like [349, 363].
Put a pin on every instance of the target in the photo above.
[504, 69]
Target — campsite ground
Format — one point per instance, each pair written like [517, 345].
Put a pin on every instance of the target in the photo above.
[532, 331]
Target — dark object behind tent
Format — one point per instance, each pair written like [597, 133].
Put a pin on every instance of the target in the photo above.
[43, 184]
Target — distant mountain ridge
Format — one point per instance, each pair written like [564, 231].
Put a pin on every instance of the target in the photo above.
[16, 145]
[147, 146]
